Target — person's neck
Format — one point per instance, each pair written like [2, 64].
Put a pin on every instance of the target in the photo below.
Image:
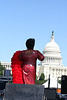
[29, 49]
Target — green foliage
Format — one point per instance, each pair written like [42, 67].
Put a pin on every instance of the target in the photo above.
[41, 80]
[10, 81]
[1, 69]
[59, 81]
[42, 77]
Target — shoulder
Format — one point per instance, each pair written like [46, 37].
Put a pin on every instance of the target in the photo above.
[16, 53]
[23, 51]
[37, 51]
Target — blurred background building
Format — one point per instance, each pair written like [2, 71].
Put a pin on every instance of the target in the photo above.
[7, 65]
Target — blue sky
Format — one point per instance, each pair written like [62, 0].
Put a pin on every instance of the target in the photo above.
[22, 19]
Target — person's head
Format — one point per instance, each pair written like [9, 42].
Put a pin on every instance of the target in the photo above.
[30, 43]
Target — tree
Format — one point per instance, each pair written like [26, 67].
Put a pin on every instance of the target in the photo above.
[42, 77]
[41, 80]
[59, 81]
[1, 69]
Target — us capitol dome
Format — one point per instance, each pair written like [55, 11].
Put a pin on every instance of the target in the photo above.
[52, 52]
[52, 64]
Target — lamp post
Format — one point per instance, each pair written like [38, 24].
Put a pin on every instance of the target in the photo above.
[49, 81]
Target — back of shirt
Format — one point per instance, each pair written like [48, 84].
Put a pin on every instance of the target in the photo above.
[30, 56]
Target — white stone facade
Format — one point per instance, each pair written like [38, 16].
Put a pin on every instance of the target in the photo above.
[7, 65]
[52, 63]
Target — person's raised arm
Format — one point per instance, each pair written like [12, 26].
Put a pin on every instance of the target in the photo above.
[40, 56]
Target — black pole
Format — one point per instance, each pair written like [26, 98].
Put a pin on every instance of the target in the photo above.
[49, 81]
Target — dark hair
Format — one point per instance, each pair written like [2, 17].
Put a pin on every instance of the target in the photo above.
[30, 43]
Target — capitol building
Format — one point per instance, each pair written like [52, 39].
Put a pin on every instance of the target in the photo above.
[52, 64]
